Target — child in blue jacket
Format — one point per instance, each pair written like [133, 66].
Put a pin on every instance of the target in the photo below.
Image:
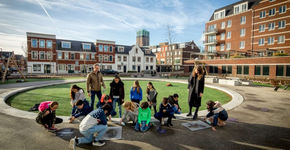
[83, 108]
[136, 93]
[165, 110]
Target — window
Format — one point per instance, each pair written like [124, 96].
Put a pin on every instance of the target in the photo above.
[41, 55]
[263, 14]
[281, 24]
[246, 70]
[257, 70]
[271, 26]
[88, 57]
[222, 47]
[124, 58]
[228, 46]
[243, 19]
[49, 55]
[237, 9]
[222, 36]
[70, 67]
[101, 58]
[119, 58]
[86, 46]
[281, 39]
[106, 48]
[151, 59]
[119, 67]
[147, 59]
[224, 69]
[82, 57]
[100, 48]
[72, 56]
[265, 70]
[244, 7]
[37, 67]
[262, 28]
[215, 69]
[106, 58]
[136, 50]
[239, 69]
[223, 25]
[48, 44]
[34, 55]
[279, 70]
[282, 9]
[240, 8]
[120, 49]
[41, 43]
[111, 58]
[243, 32]
[133, 67]
[229, 34]
[229, 23]
[34, 43]
[229, 70]
[65, 44]
[139, 59]
[288, 70]
[271, 40]
[62, 67]
[65, 55]
[134, 59]
[261, 41]
[216, 16]
[111, 48]
[242, 44]
[272, 12]
[92, 56]
[59, 55]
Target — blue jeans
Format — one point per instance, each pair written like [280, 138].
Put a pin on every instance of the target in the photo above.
[223, 115]
[175, 110]
[89, 134]
[73, 110]
[93, 95]
[143, 128]
[116, 100]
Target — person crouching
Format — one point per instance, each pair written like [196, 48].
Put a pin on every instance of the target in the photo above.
[165, 110]
[217, 114]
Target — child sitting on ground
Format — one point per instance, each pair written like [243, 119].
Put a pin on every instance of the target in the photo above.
[217, 114]
[107, 100]
[46, 115]
[173, 101]
[165, 110]
[144, 117]
[94, 122]
[131, 113]
[83, 108]
[76, 93]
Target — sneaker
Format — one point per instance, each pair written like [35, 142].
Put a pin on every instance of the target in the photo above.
[122, 123]
[98, 143]
[72, 143]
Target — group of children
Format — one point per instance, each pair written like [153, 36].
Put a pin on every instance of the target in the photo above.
[95, 120]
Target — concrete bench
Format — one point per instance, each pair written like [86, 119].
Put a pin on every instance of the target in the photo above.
[229, 82]
[211, 80]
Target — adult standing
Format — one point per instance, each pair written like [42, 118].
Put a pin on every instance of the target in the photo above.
[117, 93]
[195, 88]
[94, 83]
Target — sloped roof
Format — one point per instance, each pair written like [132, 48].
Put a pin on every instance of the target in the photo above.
[75, 45]
[230, 8]
[126, 49]
[144, 49]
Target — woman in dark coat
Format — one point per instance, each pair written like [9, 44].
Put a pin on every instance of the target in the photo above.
[195, 88]
[117, 93]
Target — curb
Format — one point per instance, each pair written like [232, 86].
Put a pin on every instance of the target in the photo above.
[237, 99]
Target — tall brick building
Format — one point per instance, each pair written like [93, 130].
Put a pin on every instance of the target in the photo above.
[249, 38]
[143, 38]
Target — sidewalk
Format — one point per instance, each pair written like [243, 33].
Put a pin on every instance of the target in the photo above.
[260, 122]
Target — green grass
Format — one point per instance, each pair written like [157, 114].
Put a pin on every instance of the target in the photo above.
[61, 93]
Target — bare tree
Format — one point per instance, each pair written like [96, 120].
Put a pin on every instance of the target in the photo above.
[170, 39]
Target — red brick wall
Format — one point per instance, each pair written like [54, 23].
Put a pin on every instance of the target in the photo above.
[105, 53]
[38, 49]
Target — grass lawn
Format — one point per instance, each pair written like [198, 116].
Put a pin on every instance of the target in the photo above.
[61, 93]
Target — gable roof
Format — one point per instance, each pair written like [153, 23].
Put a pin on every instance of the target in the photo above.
[75, 45]
[126, 49]
[229, 9]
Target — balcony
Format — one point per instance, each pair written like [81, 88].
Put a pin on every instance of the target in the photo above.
[210, 42]
[209, 32]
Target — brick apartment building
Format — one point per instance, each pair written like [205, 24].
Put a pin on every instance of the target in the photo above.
[143, 38]
[250, 39]
[46, 54]
[174, 55]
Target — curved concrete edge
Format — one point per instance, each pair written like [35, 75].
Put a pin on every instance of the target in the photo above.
[237, 99]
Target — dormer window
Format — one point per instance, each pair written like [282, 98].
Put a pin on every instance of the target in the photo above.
[86, 46]
[219, 14]
[147, 51]
[241, 8]
[120, 49]
[65, 44]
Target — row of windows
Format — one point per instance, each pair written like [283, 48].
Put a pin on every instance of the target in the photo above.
[271, 40]
[35, 43]
[42, 55]
[272, 12]
[106, 48]
[271, 26]
[72, 56]
[281, 70]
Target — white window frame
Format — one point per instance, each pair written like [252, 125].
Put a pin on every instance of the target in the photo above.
[102, 49]
[82, 56]
[261, 41]
[73, 55]
[38, 67]
[93, 57]
[242, 44]
[36, 54]
[125, 58]
[223, 36]
[88, 56]
[120, 49]
[48, 41]
[243, 21]
[229, 23]
[262, 26]
[243, 32]
[272, 26]
[282, 27]
[87, 44]
[106, 48]
[283, 9]
[263, 14]
[229, 35]
[65, 42]
[41, 52]
[41, 40]
[273, 10]
[61, 67]
[101, 58]
[229, 46]
[49, 55]
[223, 25]
[32, 43]
[272, 40]
[66, 56]
[222, 47]
[58, 55]
[106, 59]
[279, 39]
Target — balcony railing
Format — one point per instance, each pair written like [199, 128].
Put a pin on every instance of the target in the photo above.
[210, 42]
[211, 31]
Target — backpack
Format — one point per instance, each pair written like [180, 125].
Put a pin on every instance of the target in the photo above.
[44, 105]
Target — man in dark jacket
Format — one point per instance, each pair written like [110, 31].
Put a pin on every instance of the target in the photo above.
[83, 108]
[117, 93]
